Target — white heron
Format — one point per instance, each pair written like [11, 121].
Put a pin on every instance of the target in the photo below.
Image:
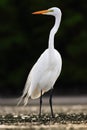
[46, 70]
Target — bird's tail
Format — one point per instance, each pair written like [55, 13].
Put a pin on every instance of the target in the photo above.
[25, 95]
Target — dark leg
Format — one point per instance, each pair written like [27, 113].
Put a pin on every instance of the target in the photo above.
[50, 101]
[40, 103]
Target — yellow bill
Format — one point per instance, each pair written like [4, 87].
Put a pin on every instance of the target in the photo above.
[41, 12]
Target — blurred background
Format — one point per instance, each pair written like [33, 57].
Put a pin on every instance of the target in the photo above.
[23, 37]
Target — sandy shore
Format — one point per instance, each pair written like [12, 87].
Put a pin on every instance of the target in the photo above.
[68, 115]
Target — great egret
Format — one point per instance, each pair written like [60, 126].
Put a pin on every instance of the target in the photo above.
[46, 70]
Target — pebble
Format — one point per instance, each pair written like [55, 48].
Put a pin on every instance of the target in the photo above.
[45, 118]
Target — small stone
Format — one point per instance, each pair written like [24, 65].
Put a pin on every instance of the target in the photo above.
[33, 119]
[15, 116]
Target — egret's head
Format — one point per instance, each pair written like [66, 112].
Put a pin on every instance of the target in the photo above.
[51, 11]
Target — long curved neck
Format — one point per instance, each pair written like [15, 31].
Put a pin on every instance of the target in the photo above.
[53, 31]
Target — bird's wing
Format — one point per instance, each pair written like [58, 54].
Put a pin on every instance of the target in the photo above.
[39, 72]
[25, 91]
[34, 76]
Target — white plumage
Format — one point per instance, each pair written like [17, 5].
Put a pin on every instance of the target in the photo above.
[46, 70]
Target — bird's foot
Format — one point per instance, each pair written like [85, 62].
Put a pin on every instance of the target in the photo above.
[52, 115]
[39, 115]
